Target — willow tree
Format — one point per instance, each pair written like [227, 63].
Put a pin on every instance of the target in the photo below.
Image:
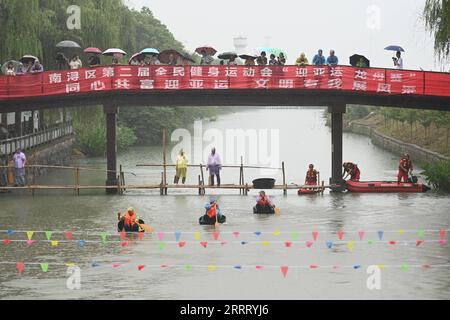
[437, 20]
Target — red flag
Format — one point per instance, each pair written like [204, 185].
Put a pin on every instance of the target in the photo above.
[216, 235]
[124, 243]
[309, 244]
[361, 235]
[236, 234]
[6, 241]
[141, 235]
[116, 265]
[284, 271]
[341, 235]
[392, 243]
[141, 267]
[69, 235]
[419, 242]
[259, 267]
[442, 234]
[204, 244]
[181, 244]
[313, 266]
[123, 235]
[288, 244]
[19, 267]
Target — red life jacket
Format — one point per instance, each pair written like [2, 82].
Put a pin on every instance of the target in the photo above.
[212, 212]
[263, 201]
[130, 220]
[311, 176]
[405, 164]
[355, 172]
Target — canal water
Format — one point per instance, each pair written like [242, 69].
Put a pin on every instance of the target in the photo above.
[321, 268]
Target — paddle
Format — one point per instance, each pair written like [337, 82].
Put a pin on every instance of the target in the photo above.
[142, 226]
[277, 211]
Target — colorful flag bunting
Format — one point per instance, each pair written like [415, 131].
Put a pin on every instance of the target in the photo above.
[380, 235]
[284, 271]
[30, 234]
[442, 234]
[258, 233]
[29, 242]
[204, 244]
[44, 267]
[216, 235]
[140, 267]
[340, 235]
[19, 267]
[69, 235]
[103, 235]
[329, 244]
[197, 236]
[48, 234]
[177, 236]
[309, 244]
[295, 236]
[315, 235]
[236, 234]
[54, 243]
[161, 236]
[181, 244]
[212, 268]
[162, 245]
[6, 241]
[350, 245]
[361, 235]
[288, 244]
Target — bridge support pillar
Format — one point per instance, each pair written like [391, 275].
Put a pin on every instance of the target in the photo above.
[337, 116]
[111, 147]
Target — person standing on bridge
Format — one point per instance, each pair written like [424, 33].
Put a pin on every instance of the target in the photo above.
[75, 63]
[181, 167]
[262, 59]
[3, 170]
[332, 60]
[214, 166]
[398, 61]
[206, 59]
[319, 59]
[405, 169]
[20, 161]
[302, 60]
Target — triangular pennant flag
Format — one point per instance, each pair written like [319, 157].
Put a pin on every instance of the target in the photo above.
[329, 244]
[265, 243]
[380, 235]
[30, 234]
[401, 232]
[44, 267]
[70, 265]
[103, 235]
[54, 243]
[356, 267]
[19, 267]
[419, 242]
[237, 267]
[48, 234]
[69, 235]
[313, 266]
[361, 235]
[161, 236]
[315, 235]
[295, 236]
[350, 245]
[405, 268]
[177, 236]
[392, 243]
[442, 242]
[10, 232]
[6, 241]
[288, 244]
[421, 233]
[259, 267]
[123, 235]
[116, 265]
[124, 243]
[442, 234]
[223, 243]
[258, 233]
[216, 235]
[309, 244]
[236, 234]
[381, 266]
[29, 242]
[370, 242]
[198, 236]
[95, 264]
[140, 236]
[188, 267]
[284, 271]
[340, 235]
[244, 243]
[181, 244]
[426, 266]
[204, 244]
[140, 267]
[81, 243]
[164, 266]
[212, 268]
[276, 233]
[162, 245]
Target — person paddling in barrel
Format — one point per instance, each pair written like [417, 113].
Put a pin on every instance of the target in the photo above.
[131, 223]
[352, 170]
[213, 214]
[311, 176]
[263, 204]
[405, 169]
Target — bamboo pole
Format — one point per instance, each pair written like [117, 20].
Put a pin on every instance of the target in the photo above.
[203, 179]
[284, 179]
[165, 159]
[77, 180]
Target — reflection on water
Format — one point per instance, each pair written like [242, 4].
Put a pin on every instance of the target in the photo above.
[304, 139]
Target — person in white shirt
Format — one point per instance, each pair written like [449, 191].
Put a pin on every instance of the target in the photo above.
[75, 63]
[398, 61]
[20, 161]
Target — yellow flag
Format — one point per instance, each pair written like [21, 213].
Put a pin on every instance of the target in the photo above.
[55, 243]
[381, 266]
[276, 233]
[198, 236]
[212, 268]
[350, 245]
[401, 232]
[70, 265]
[265, 243]
[30, 234]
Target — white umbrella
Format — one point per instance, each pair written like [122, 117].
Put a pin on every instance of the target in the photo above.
[114, 51]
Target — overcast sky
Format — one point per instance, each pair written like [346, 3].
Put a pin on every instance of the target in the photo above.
[347, 26]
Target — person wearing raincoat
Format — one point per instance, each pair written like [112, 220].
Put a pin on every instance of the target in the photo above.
[302, 60]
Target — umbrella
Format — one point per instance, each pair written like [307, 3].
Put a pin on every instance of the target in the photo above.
[26, 58]
[354, 59]
[93, 50]
[68, 44]
[164, 55]
[134, 56]
[114, 52]
[394, 48]
[150, 51]
[209, 50]
[14, 62]
[228, 55]
[248, 56]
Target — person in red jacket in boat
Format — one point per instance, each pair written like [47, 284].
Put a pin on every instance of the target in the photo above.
[351, 170]
[405, 168]
[311, 176]
[263, 204]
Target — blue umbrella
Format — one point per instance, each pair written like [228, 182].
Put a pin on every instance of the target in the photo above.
[150, 51]
[394, 48]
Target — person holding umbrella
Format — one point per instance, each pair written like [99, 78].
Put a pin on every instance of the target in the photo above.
[398, 60]
[206, 58]
[75, 63]
[37, 67]
[10, 69]
[262, 59]
[302, 60]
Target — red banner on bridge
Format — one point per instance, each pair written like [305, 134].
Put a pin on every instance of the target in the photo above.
[136, 78]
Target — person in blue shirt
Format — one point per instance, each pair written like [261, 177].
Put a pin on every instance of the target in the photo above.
[319, 59]
[332, 60]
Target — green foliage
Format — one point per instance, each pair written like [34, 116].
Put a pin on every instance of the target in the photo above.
[437, 20]
[438, 175]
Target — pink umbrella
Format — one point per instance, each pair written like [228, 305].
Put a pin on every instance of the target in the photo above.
[93, 50]
[209, 50]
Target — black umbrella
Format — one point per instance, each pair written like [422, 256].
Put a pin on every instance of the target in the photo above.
[67, 44]
[228, 55]
[360, 61]
[187, 57]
